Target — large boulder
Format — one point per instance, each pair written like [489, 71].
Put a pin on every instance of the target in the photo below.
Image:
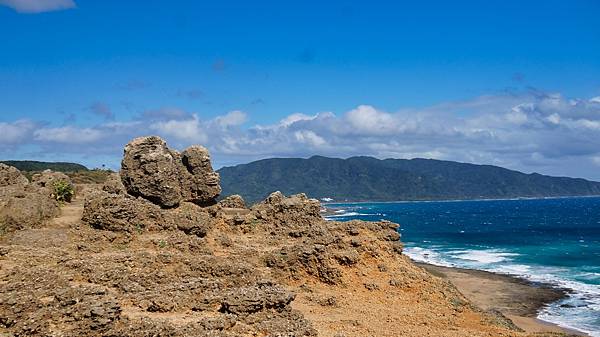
[26, 209]
[233, 201]
[122, 213]
[189, 218]
[11, 176]
[200, 183]
[11, 181]
[166, 177]
[294, 211]
[47, 181]
[23, 205]
[48, 178]
[113, 184]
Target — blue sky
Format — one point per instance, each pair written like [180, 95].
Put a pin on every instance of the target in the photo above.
[510, 83]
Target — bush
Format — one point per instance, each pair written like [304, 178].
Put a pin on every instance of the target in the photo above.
[63, 191]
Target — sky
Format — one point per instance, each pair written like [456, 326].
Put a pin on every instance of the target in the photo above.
[508, 83]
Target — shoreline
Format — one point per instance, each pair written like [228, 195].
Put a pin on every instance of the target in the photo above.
[457, 200]
[516, 298]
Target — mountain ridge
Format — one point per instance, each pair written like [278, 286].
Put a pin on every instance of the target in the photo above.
[34, 165]
[363, 178]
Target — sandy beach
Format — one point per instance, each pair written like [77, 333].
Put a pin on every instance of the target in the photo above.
[517, 299]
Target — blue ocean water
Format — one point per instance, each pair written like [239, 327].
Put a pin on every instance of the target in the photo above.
[556, 241]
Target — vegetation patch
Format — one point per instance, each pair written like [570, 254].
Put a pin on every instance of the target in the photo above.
[63, 191]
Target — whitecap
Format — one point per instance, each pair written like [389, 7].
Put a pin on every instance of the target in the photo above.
[482, 256]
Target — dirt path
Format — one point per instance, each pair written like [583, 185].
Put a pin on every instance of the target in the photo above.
[53, 233]
[70, 213]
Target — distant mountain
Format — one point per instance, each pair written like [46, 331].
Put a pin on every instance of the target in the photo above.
[29, 165]
[367, 178]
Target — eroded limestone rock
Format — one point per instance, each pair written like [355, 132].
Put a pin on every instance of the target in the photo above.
[11, 176]
[23, 205]
[165, 177]
[48, 178]
[233, 201]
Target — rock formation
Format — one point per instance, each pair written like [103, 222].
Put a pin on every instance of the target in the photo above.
[233, 201]
[48, 178]
[166, 177]
[113, 184]
[10, 176]
[23, 204]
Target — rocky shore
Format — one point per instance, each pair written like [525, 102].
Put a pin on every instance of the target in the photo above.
[516, 298]
[152, 253]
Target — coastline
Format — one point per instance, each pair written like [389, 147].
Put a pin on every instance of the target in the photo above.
[456, 200]
[518, 299]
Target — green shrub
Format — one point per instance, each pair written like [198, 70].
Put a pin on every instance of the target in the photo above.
[63, 191]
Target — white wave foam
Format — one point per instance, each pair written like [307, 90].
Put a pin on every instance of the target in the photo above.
[345, 214]
[426, 256]
[580, 311]
[483, 256]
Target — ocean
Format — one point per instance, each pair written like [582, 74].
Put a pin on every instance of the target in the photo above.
[555, 241]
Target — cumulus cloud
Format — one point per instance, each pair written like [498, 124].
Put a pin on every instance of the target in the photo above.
[233, 118]
[367, 120]
[68, 134]
[38, 6]
[530, 131]
[16, 132]
[188, 130]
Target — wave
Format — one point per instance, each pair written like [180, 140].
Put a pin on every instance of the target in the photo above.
[579, 311]
[483, 256]
[346, 214]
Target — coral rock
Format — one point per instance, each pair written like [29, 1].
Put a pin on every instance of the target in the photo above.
[165, 177]
[233, 201]
[11, 176]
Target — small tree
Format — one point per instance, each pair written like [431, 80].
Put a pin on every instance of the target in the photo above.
[63, 191]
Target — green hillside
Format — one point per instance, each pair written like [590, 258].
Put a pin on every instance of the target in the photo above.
[30, 165]
[367, 178]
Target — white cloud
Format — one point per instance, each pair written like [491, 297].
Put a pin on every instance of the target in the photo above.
[38, 6]
[527, 131]
[296, 117]
[554, 118]
[310, 138]
[189, 130]
[366, 119]
[13, 133]
[69, 135]
[233, 118]
[517, 116]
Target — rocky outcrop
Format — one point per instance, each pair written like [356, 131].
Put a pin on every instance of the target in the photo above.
[23, 204]
[114, 185]
[11, 176]
[158, 189]
[323, 250]
[48, 178]
[26, 209]
[166, 177]
[122, 213]
[233, 201]
[296, 211]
